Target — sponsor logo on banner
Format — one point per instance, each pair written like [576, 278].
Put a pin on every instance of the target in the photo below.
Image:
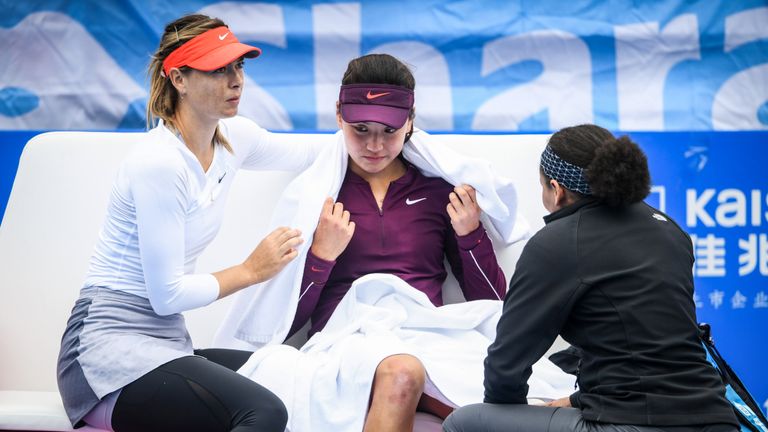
[671, 65]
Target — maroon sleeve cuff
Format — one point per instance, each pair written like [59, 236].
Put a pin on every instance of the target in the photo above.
[317, 269]
[469, 241]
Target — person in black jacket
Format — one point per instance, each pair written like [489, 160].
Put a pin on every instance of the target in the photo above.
[613, 276]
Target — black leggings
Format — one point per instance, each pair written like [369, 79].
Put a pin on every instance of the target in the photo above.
[199, 394]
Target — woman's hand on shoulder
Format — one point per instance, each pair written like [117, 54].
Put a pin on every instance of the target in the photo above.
[463, 210]
[273, 253]
[334, 231]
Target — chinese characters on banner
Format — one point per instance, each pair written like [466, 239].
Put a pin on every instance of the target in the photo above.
[714, 186]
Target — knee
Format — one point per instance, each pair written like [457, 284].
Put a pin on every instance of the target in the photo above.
[268, 415]
[460, 420]
[451, 423]
[278, 415]
[402, 375]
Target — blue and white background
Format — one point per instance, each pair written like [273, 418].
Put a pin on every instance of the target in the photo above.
[688, 80]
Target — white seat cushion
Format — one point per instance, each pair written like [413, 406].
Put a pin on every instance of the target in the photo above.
[43, 411]
[34, 411]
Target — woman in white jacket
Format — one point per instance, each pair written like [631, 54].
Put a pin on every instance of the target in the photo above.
[126, 360]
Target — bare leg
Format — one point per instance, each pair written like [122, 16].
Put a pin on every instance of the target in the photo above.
[397, 388]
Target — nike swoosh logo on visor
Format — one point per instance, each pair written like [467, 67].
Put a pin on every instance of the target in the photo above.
[409, 201]
[370, 95]
[222, 37]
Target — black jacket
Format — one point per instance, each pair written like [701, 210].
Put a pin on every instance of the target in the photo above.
[617, 284]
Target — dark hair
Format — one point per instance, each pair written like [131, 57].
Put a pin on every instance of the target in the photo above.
[381, 69]
[378, 69]
[615, 168]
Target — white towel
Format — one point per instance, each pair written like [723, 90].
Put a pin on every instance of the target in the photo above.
[263, 314]
[326, 385]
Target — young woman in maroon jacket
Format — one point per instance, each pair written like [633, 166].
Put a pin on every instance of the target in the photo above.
[389, 218]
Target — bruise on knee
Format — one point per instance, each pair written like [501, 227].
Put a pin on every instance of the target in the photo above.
[400, 378]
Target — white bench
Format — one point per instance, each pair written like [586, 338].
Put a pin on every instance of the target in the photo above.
[52, 220]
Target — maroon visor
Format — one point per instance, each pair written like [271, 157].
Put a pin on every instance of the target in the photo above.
[387, 104]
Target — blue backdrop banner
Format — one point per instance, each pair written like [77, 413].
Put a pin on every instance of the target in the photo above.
[522, 65]
[713, 185]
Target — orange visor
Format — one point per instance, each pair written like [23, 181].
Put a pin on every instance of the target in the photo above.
[209, 51]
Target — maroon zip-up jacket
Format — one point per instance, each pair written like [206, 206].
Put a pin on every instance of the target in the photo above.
[409, 237]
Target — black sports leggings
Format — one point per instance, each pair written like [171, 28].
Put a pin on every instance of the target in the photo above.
[199, 394]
